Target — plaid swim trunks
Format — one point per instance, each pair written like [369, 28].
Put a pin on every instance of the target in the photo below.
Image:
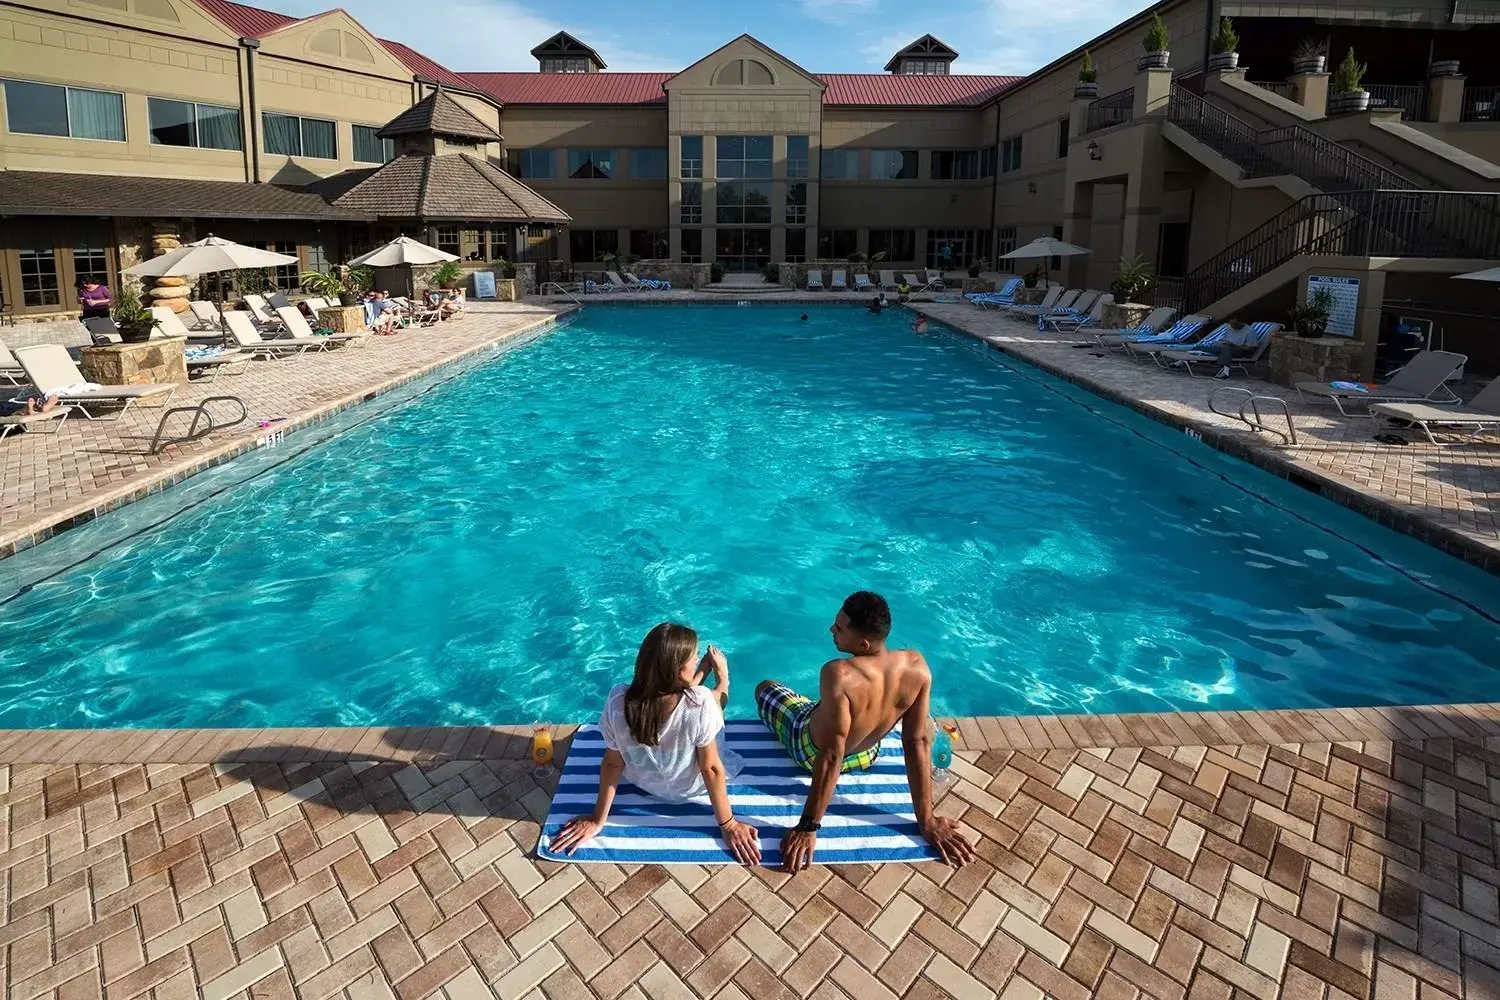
[789, 717]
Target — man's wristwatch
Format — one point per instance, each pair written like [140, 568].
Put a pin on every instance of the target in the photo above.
[805, 825]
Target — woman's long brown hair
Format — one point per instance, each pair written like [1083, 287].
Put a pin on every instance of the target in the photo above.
[658, 675]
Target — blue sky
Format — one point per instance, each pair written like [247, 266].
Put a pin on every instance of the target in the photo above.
[831, 36]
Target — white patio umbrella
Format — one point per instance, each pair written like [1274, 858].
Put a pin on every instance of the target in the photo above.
[402, 250]
[207, 256]
[1044, 247]
[1488, 274]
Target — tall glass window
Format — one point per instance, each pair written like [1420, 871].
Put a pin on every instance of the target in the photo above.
[796, 157]
[648, 164]
[691, 158]
[534, 164]
[370, 148]
[38, 277]
[743, 156]
[837, 244]
[1005, 242]
[70, 112]
[1010, 154]
[692, 246]
[183, 123]
[796, 203]
[796, 246]
[286, 277]
[739, 203]
[591, 164]
[840, 164]
[896, 244]
[290, 135]
[90, 262]
[955, 164]
[893, 164]
[692, 203]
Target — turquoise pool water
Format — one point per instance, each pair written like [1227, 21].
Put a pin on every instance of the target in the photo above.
[492, 550]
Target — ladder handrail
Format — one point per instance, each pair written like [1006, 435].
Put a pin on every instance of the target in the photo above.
[200, 411]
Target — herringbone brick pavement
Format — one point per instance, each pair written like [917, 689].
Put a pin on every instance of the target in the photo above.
[1301, 870]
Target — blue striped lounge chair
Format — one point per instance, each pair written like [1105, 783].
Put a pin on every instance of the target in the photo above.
[1180, 334]
[1207, 352]
[814, 280]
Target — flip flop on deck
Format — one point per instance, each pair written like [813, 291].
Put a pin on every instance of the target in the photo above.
[870, 819]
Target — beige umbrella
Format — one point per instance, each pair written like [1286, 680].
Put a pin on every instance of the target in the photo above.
[402, 250]
[1488, 274]
[1044, 247]
[207, 256]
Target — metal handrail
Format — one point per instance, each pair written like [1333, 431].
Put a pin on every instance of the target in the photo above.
[1481, 104]
[1252, 401]
[1411, 98]
[560, 291]
[1115, 109]
[1281, 88]
[200, 412]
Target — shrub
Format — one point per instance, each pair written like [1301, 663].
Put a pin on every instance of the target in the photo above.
[1157, 39]
[1348, 75]
[1086, 72]
[715, 272]
[1132, 277]
[1225, 39]
[448, 272]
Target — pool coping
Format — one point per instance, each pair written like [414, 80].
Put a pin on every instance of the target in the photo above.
[54, 521]
[1377, 508]
[1477, 722]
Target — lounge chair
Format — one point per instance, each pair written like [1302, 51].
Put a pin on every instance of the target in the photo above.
[278, 300]
[1057, 299]
[52, 371]
[18, 421]
[916, 283]
[616, 283]
[1073, 322]
[935, 280]
[169, 323]
[1424, 379]
[1001, 298]
[10, 369]
[298, 327]
[207, 315]
[102, 330]
[260, 310]
[862, 282]
[1185, 331]
[246, 335]
[814, 280]
[840, 282]
[1154, 321]
[1480, 412]
[1198, 354]
[648, 284]
[888, 281]
[1080, 306]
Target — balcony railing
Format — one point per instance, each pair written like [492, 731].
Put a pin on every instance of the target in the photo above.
[1411, 98]
[1481, 104]
[1116, 109]
[1281, 88]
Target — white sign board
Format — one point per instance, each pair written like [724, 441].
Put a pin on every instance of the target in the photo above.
[1344, 309]
[484, 284]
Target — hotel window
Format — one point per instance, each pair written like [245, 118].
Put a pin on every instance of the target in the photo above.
[448, 240]
[587, 244]
[692, 203]
[897, 244]
[90, 262]
[796, 157]
[837, 244]
[1005, 242]
[742, 156]
[692, 246]
[38, 277]
[796, 203]
[1062, 138]
[742, 204]
[987, 158]
[648, 164]
[287, 277]
[1010, 154]
[893, 164]
[489, 243]
[840, 165]
[183, 123]
[650, 244]
[289, 135]
[531, 164]
[796, 246]
[591, 164]
[955, 164]
[963, 245]
[70, 112]
[370, 148]
[691, 156]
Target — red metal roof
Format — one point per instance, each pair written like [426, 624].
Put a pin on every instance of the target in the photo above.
[572, 88]
[899, 90]
[423, 66]
[247, 22]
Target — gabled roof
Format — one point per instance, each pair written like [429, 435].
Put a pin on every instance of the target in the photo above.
[438, 114]
[917, 90]
[926, 47]
[425, 67]
[572, 88]
[564, 44]
[450, 186]
[27, 192]
[765, 50]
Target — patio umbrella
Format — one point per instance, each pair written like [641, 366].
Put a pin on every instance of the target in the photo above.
[402, 250]
[1045, 247]
[1488, 274]
[207, 256]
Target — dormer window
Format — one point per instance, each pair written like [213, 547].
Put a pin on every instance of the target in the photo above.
[562, 53]
[927, 56]
[565, 64]
[923, 67]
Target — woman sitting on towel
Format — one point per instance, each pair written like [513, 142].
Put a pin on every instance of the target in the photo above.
[662, 733]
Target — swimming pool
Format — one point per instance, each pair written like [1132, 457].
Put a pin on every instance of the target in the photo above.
[492, 549]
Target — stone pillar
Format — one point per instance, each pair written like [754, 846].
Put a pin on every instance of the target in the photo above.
[1445, 99]
[1078, 223]
[1153, 89]
[1078, 119]
[1311, 92]
[174, 293]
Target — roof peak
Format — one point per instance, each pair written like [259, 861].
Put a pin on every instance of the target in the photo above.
[438, 114]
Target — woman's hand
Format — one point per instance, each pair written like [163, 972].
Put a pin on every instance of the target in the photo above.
[717, 662]
[743, 841]
[575, 833]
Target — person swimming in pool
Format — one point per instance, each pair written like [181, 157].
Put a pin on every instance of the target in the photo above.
[920, 326]
[861, 697]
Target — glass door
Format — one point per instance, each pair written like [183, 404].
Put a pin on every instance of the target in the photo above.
[743, 250]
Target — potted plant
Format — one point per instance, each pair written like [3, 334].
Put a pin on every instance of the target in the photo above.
[1310, 56]
[446, 275]
[507, 267]
[329, 286]
[1444, 67]
[1157, 45]
[359, 281]
[977, 265]
[1132, 277]
[1226, 47]
[1348, 95]
[1087, 87]
[133, 319]
[1311, 318]
[715, 272]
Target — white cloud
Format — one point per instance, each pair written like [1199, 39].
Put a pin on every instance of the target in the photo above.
[838, 11]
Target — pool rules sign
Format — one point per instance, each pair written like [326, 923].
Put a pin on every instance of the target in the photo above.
[1345, 305]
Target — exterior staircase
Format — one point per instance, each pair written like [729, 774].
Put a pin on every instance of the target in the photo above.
[742, 285]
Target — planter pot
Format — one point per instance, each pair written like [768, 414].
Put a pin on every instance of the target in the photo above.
[1445, 67]
[135, 335]
[1309, 64]
[1155, 60]
[1223, 60]
[449, 286]
[1086, 92]
[1309, 330]
[1344, 104]
[348, 299]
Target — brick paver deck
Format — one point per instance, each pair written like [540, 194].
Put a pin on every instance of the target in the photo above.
[1358, 868]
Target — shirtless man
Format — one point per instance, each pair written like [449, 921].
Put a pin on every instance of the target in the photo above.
[861, 698]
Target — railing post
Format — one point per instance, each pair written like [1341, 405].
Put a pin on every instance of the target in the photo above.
[1311, 92]
[1153, 92]
[1445, 98]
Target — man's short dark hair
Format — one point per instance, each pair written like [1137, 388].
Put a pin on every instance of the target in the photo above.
[868, 614]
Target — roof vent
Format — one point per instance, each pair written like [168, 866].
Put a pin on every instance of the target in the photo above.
[927, 56]
[562, 53]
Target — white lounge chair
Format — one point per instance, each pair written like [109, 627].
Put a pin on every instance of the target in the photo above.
[17, 421]
[278, 300]
[935, 280]
[1424, 379]
[169, 323]
[1474, 416]
[916, 283]
[862, 282]
[244, 332]
[296, 324]
[10, 369]
[207, 315]
[1052, 299]
[840, 282]
[888, 281]
[619, 284]
[52, 371]
[260, 309]
[814, 280]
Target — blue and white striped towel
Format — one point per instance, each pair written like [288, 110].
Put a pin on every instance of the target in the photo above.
[870, 819]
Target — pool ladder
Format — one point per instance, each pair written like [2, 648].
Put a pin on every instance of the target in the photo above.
[1256, 421]
[200, 414]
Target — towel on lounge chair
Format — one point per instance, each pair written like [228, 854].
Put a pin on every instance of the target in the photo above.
[870, 819]
[1424, 379]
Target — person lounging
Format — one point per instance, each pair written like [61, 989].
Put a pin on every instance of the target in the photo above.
[663, 733]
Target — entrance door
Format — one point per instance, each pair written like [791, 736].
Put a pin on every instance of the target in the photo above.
[743, 250]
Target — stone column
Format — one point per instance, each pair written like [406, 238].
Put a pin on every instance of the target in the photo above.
[1078, 223]
[1445, 99]
[1078, 119]
[1311, 92]
[174, 293]
[1153, 89]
